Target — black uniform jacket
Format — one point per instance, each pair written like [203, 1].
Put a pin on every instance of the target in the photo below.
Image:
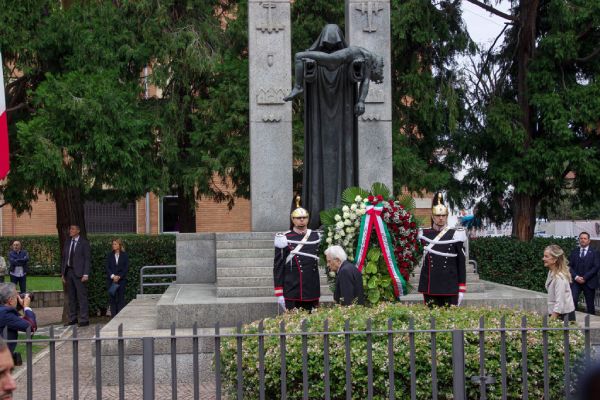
[441, 275]
[349, 285]
[298, 279]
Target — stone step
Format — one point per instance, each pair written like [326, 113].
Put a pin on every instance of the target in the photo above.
[259, 291]
[471, 277]
[469, 269]
[472, 287]
[245, 244]
[243, 262]
[254, 281]
[245, 272]
[229, 236]
[245, 253]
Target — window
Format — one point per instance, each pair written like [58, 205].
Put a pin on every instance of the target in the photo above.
[109, 217]
[169, 213]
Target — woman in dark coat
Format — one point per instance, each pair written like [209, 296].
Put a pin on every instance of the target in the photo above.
[117, 265]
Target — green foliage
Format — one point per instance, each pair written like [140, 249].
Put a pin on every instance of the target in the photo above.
[379, 189]
[534, 116]
[376, 279]
[143, 250]
[349, 194]
[357, 317]
[511, 262]
[428, 95]
[80, 121]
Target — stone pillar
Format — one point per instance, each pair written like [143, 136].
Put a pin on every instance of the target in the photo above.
[368, 26]
[269, 48]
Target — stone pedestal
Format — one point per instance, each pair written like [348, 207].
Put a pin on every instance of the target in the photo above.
[269, 48]
[368, 26]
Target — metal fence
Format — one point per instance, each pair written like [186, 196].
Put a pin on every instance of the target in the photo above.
[218, 384]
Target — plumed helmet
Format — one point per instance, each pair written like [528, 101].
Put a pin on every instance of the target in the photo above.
[438, 207]
[299, 211]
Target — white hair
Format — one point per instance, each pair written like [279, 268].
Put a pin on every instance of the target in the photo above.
[336, 252]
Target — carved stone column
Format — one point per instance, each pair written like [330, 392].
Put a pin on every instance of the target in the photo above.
[269, 48]
[368, 26]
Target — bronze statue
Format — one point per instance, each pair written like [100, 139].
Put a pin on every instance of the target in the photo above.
[327, 74]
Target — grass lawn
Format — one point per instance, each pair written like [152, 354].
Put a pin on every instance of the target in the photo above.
[36, 347]
[36, 283]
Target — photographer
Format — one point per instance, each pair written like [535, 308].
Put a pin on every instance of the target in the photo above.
[9, 316]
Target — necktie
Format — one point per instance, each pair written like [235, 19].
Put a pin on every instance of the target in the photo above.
[71, 253]
[582, 253]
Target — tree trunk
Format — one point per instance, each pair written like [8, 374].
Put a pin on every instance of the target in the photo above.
[523, 223]
[69, 211]
[524, 205]
[186, 211]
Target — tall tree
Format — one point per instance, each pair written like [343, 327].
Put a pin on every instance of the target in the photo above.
[76, 121]
[428, 96]
[201, 115]
[537, 118]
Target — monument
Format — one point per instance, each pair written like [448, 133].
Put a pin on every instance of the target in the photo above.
[329, 73]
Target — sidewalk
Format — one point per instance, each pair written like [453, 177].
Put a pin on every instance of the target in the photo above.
[86, 366]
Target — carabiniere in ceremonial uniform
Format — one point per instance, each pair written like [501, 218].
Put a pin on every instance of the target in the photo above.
[443, 271]
[296, 264]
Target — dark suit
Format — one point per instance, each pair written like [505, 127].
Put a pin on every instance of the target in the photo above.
[586, 267]
[117, 302]
[349, 285]
[77, 290]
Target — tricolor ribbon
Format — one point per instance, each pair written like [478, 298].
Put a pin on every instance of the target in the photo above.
[372, 218]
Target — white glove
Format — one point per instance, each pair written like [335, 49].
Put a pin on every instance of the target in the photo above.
[461, 295]
[281, 302]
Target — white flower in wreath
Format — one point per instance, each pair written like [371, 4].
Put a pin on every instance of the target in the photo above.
[353, 207]
[339, 225]
[358, 199]
[336, 236]
[345, 209]
[337, 217]
[329, 240]
[342, 233]
[363, 206]
[352, 217]
[346, 215]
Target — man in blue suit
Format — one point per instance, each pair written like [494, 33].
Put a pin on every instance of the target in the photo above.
[584, 263]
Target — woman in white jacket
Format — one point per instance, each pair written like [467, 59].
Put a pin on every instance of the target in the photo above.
[560, 300]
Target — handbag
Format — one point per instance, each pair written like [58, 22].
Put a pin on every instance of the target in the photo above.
[112, 290]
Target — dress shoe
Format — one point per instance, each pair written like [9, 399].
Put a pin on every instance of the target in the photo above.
[84, 324]
[71, 323]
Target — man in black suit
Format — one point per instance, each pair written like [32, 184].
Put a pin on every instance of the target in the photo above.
[584, 264]
[75, 270]
[349, 282]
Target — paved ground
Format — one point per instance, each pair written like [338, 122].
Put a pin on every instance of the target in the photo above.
[87, 385]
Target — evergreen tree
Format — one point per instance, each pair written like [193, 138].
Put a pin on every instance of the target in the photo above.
[534, 113]
[76, 121]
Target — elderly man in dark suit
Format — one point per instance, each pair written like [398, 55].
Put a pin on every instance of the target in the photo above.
[584, 264]
[349, 282]
[75, 271]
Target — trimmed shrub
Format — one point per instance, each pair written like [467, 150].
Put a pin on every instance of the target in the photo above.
[44, 253]
[446, 318]
[508, 261]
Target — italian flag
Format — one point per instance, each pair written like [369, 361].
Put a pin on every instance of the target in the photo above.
[4, 166]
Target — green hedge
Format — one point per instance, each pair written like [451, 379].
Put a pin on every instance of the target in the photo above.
[511, 262]
[142, 250]
[446, 318]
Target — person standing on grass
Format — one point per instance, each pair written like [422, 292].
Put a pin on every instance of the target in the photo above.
[18, 260]
[75, 271]
[560, 300]
[117, 265]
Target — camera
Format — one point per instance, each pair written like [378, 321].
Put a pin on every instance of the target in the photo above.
[22, 296]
